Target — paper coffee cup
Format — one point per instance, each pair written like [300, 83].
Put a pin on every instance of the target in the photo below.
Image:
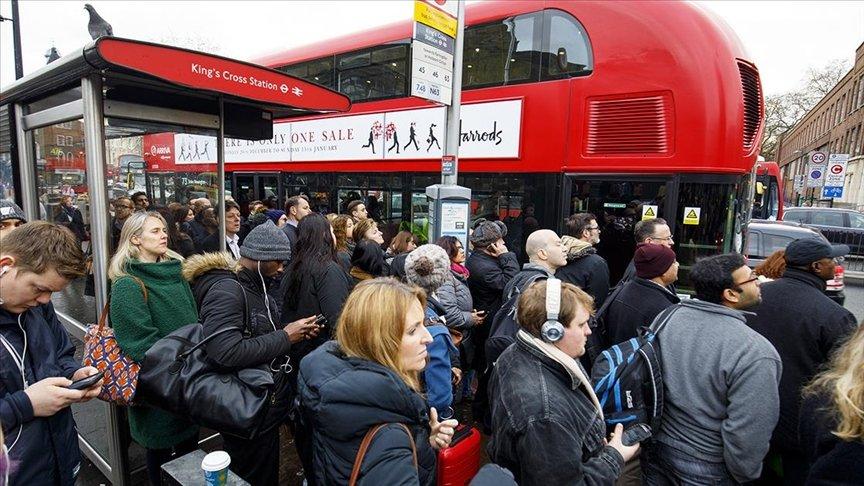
[215, 466]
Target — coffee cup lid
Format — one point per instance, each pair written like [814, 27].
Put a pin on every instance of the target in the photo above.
[216, 461]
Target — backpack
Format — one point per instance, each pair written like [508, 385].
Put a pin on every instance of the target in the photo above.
[628, 379]
[598, 340]
[504, 327]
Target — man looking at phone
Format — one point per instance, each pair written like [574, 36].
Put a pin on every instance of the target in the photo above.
[36, 356]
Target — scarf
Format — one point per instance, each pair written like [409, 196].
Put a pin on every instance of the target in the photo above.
[460, 269]
[570, 364]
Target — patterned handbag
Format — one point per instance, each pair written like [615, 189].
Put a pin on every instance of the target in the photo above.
[102, 352]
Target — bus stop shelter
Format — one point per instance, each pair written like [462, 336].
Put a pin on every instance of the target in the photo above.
[91, 126]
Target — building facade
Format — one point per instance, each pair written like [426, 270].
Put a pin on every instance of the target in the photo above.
[833, 126]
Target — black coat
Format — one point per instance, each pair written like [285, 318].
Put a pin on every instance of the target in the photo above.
[832, 461]
[488, 277]
[221, 304]
[291, 232]
[635, 306]
[46, 444]
[804, 326]
[549, 438]
[321, 292]
[341, 398]
[590, 273]
[211, 244]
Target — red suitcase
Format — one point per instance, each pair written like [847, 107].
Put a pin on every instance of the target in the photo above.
[459, 463]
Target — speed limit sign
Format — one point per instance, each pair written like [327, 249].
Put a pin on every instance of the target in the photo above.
[818, 157]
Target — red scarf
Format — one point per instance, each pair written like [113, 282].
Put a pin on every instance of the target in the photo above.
[460, 269]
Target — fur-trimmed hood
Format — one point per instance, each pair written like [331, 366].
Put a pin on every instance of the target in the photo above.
[576, 248]
[197, 265]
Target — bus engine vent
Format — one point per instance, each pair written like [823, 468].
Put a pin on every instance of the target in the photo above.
[629, 126]
[753, 108]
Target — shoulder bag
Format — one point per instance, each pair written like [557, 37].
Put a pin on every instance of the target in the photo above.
[177, 376]
[103, 353]
[367, 441]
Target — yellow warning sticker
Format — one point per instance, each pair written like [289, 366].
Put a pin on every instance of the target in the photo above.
[649, 211]
[691, 215]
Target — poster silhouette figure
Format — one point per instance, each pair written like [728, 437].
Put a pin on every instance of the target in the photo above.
[183, 154]
[391, 132]
[197, 152]
[412, 138]
[432, 138]
[374, 133]
[207, 150]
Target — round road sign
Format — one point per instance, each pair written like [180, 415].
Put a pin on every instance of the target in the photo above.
[818, 157]
[836, 169]
[816, 174]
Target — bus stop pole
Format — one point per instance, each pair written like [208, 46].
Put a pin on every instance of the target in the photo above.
[451, 143]
[94, 149]
[220, 171]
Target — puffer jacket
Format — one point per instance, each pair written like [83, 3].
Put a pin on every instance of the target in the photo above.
[553, 437]
[341, 398]
[221, 303]
[456, 300]
[47, 449]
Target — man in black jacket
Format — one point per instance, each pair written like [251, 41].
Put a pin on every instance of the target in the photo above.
[232, 294]
[211, 243]
[654, 231]
[804, 326]
[37, 359]
[589, 271]
[641, 299]
[296, 208]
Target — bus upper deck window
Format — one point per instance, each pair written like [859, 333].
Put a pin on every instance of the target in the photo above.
[566, 48]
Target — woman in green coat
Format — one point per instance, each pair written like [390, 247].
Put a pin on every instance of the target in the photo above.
[149, 300]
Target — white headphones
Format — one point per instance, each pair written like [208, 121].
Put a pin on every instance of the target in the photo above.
[552, 330]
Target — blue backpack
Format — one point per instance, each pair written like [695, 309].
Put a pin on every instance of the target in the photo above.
[628, 379]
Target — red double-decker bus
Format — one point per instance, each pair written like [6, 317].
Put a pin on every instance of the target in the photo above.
[627, 110]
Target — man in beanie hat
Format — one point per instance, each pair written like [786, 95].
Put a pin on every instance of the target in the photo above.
[643, 297]
[234, 295]
[11, 217]
[490, 267]
[804, 325]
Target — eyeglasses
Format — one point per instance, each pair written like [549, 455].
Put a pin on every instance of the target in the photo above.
[665, 238]
[754, 278]
[839, 259]
[592, 228]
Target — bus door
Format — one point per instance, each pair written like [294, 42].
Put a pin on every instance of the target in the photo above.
[160, 187]
[264, 187]
[618, 202]
[711, 214]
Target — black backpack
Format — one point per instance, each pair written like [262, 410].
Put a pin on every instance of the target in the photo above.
[504, 327]
[628, 379]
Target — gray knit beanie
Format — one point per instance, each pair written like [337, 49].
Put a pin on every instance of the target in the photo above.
[427, 267]
[266, 243]
[487, 233]
[10, 210]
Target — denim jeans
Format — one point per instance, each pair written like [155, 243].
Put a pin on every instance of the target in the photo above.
[662, 466]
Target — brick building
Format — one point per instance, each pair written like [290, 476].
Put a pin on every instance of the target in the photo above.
[834, 125]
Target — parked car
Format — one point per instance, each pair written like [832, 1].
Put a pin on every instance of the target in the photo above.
[840, 226]
[766, 237]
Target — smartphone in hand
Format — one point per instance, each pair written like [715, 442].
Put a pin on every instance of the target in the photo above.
[86, 382]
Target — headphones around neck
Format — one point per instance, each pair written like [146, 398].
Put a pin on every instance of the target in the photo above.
[552, 330]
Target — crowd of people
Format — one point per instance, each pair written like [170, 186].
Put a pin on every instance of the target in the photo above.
[763, 377]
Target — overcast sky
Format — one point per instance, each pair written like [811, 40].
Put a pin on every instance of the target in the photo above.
[784, 38]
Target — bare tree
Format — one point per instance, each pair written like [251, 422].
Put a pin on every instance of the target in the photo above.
[783, 111]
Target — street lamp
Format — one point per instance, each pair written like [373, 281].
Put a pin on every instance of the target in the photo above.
[16, 39]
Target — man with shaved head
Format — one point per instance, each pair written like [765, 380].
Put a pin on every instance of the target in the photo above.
[545, 256]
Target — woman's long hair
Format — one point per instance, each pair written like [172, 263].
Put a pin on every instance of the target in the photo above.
[314, 250]
[372, 323]
[340, 229]
[361, 227]
[773, 266]
[844, 383]
[134, 226]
